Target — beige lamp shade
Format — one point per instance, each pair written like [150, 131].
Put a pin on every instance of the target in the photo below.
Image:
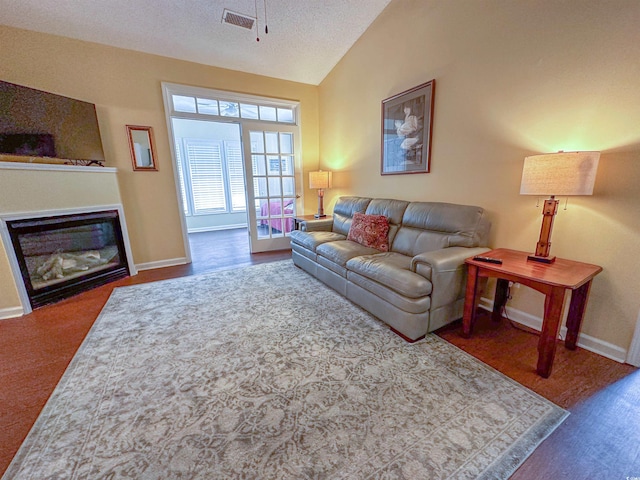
[320, 180]
[562, 173]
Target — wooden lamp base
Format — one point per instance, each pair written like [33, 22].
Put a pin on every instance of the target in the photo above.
[536, 258]
[320, 213]
[544, 244]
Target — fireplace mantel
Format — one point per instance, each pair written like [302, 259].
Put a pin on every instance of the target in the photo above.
[54, 167]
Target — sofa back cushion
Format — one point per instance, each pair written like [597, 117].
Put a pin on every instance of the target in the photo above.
[343, 212]
[392, 209]
[428, 226]
[370, 231]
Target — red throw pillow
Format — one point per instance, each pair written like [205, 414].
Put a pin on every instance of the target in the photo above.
[370, 231]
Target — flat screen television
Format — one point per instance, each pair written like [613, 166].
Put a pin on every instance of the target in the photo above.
[41, 124]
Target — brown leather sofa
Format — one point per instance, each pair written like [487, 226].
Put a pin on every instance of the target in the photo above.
[419, 284]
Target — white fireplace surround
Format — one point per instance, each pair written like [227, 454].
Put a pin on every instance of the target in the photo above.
[13, 260]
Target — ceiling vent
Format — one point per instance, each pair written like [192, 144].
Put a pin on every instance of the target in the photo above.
[238, 19]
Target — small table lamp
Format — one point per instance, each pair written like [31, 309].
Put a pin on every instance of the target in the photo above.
[320, 180]
[562, 173]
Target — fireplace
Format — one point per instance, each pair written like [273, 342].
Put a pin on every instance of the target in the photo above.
[62, 255]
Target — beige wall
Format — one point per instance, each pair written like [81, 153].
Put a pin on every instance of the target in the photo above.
[513, 78]
[126, 88]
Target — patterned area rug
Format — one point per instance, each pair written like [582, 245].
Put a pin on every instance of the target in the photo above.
[264, 372]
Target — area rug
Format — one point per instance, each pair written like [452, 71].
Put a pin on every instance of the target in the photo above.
[264, 372]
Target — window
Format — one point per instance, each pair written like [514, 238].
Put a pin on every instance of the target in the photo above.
[184, 104]
[225, 108]
[216, 176]
[207, 183]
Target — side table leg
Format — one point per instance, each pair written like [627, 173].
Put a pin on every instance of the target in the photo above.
[550, 328]
[470, 301]
[576, 313]
[500, 299]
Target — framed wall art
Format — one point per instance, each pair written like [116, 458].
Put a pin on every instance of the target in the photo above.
[407, 122]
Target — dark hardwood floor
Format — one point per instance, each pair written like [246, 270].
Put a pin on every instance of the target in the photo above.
[599, 440]
[226, 249]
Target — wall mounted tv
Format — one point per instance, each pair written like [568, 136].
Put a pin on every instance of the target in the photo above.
[41, 124]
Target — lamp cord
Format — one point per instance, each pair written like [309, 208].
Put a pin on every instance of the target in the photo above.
[513, 324]
[516, 325]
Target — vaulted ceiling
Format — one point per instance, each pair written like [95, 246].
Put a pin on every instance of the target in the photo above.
[305, 40]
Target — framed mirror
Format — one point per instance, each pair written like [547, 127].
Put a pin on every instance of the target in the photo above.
[143, 153]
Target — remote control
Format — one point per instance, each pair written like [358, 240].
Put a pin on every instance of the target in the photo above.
[488, 260]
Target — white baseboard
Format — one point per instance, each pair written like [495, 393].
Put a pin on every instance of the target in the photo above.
[213, 229]
[11, 312]
[171, 262]
[585, 341]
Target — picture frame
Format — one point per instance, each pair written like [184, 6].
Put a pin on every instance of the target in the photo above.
[407, 125]
[141, 145]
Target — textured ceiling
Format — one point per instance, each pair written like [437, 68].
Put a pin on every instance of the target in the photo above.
[306, 37]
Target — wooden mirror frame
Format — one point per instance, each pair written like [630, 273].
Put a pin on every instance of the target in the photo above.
[138, 163]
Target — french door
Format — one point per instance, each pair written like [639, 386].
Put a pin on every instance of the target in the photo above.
[270, 176]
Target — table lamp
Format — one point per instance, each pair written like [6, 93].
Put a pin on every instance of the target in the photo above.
[562, 173]
[320, 180]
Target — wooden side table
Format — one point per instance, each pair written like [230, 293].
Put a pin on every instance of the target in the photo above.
[298, 219]
[552, 279]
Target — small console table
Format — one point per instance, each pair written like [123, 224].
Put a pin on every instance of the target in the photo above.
[553, 280]
[298, 219]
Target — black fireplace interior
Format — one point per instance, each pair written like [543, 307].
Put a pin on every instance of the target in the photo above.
[64, 255]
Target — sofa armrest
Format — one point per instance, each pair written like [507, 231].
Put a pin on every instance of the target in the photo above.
[446, 270]
[445, 259]
[320, 225]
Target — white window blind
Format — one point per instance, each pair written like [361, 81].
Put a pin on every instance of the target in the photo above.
[233, 154]
[211, 176]
[206, 174]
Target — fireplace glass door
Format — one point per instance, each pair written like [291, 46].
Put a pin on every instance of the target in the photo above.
[64, 255]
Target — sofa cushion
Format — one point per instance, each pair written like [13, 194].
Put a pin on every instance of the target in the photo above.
[342, 251]
[311, 240]
[428, 226]
[297, 248]
[370, 231]
[339, 270]
[392, 270]
[343, 212]
[392, 209]
[381, 293]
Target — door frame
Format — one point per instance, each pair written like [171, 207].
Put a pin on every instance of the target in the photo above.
[169, 89]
